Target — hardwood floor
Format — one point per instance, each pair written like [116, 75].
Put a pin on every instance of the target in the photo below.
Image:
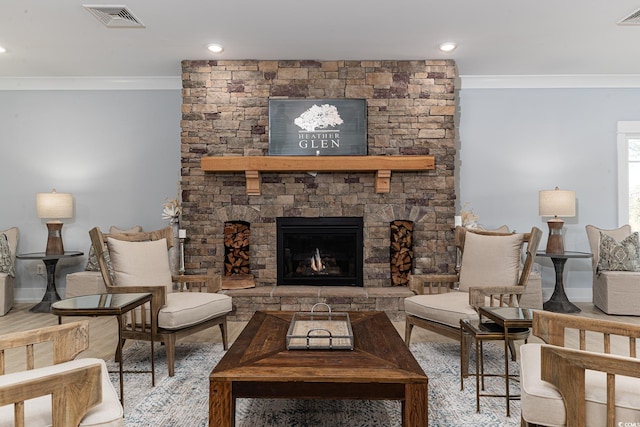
[103, 335]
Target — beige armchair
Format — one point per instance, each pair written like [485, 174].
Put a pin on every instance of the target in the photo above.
[8, 245]
[491, 273]
[67, 393]
[140, 263]
[583, 386]
[615, 289]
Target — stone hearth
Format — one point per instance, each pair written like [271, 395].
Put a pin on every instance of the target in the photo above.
[410, 109]
[302, 298]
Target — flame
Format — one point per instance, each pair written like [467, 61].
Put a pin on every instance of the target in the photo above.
[316, 262]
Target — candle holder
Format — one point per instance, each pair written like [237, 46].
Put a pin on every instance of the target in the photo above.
[182, 236]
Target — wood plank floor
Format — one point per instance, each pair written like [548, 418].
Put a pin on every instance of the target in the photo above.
[103, 332]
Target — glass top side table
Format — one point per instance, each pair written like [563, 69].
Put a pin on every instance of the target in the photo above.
[507, 318]
[107, 305]
[50, 261]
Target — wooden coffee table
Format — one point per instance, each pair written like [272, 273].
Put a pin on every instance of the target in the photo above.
[258, 365]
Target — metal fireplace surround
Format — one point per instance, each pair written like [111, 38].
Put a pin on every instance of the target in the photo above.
[320, 251]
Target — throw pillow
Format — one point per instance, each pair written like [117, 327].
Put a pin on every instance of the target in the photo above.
[490, 260]
[92, 262]
[140, 263]
[115, 230]
[619, 256]
[6, 263]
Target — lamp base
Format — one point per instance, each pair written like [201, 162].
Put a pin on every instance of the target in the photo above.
[555, 241]
[54, 239]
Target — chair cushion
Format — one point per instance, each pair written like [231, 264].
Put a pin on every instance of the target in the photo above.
[84, 283]
[489, 260]
[140, 263]
[447, 309]
[38, 411]
[617, 292]
[92, 261]
[542, 403]
[188, 308]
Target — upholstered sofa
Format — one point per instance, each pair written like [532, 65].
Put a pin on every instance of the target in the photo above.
[8, 245]
[616, 287]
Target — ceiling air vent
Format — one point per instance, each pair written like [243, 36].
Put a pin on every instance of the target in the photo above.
[632, 19]
[113, 16]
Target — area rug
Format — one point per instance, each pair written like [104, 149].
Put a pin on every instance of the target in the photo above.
[182, 400]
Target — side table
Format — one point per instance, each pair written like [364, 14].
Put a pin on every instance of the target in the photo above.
[50, 261]
[481, 332]
[107, 305]
[559, 302]
[510, 319]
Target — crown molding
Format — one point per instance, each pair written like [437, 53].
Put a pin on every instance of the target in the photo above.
[91, 83]
[558, 81]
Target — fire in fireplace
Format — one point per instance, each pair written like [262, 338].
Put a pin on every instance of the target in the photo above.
[319, 251]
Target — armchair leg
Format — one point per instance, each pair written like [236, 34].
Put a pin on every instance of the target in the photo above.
[117, 353]
[223, 332]
[512, 350]
[465, 348]
[170, 344]
[407, 332]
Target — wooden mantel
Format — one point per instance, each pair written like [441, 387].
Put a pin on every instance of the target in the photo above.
[253, 165]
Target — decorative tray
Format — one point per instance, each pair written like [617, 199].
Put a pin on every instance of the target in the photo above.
[320, 331]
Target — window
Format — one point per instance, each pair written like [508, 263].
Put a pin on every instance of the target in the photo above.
[629, 174]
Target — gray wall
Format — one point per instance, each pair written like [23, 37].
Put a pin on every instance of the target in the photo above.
[118, 152]
[515, 142]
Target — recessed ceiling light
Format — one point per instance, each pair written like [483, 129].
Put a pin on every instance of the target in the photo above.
[215, 48]
[2, 50]
[448, 47]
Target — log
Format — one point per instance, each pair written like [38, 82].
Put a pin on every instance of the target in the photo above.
[237, 254]
[401, 251]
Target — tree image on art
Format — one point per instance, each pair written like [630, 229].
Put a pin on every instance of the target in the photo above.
[319, 117]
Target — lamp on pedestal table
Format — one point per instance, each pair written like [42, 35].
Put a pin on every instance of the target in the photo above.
[54, 206]
[556, 203]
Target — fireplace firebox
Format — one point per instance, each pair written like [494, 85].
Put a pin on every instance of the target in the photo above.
[320, 251]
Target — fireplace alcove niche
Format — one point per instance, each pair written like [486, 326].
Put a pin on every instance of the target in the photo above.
[322, 251]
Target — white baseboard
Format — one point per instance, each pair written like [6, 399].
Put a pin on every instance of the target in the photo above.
[574, 295]
[32, 295]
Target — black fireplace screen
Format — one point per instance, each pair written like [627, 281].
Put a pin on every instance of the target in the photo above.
[319, 251]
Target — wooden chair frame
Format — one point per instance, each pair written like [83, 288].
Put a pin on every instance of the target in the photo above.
[72, 392]
[565, 367]
[140, 330]
[441, 283]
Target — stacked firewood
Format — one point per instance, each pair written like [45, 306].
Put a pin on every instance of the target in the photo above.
[401, 252]
[236, 248]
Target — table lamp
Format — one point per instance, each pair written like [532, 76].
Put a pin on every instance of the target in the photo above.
[54, 206]
[556, 203]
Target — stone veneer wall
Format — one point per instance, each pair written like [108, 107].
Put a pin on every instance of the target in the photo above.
[410, 111]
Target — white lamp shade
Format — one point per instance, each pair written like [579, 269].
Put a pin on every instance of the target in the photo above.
[557, 203]
[54, 205]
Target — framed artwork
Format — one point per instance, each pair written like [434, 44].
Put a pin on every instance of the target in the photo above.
[317, 127]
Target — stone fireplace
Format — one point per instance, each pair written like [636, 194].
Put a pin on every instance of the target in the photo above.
[410, 112]
[323, 251]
